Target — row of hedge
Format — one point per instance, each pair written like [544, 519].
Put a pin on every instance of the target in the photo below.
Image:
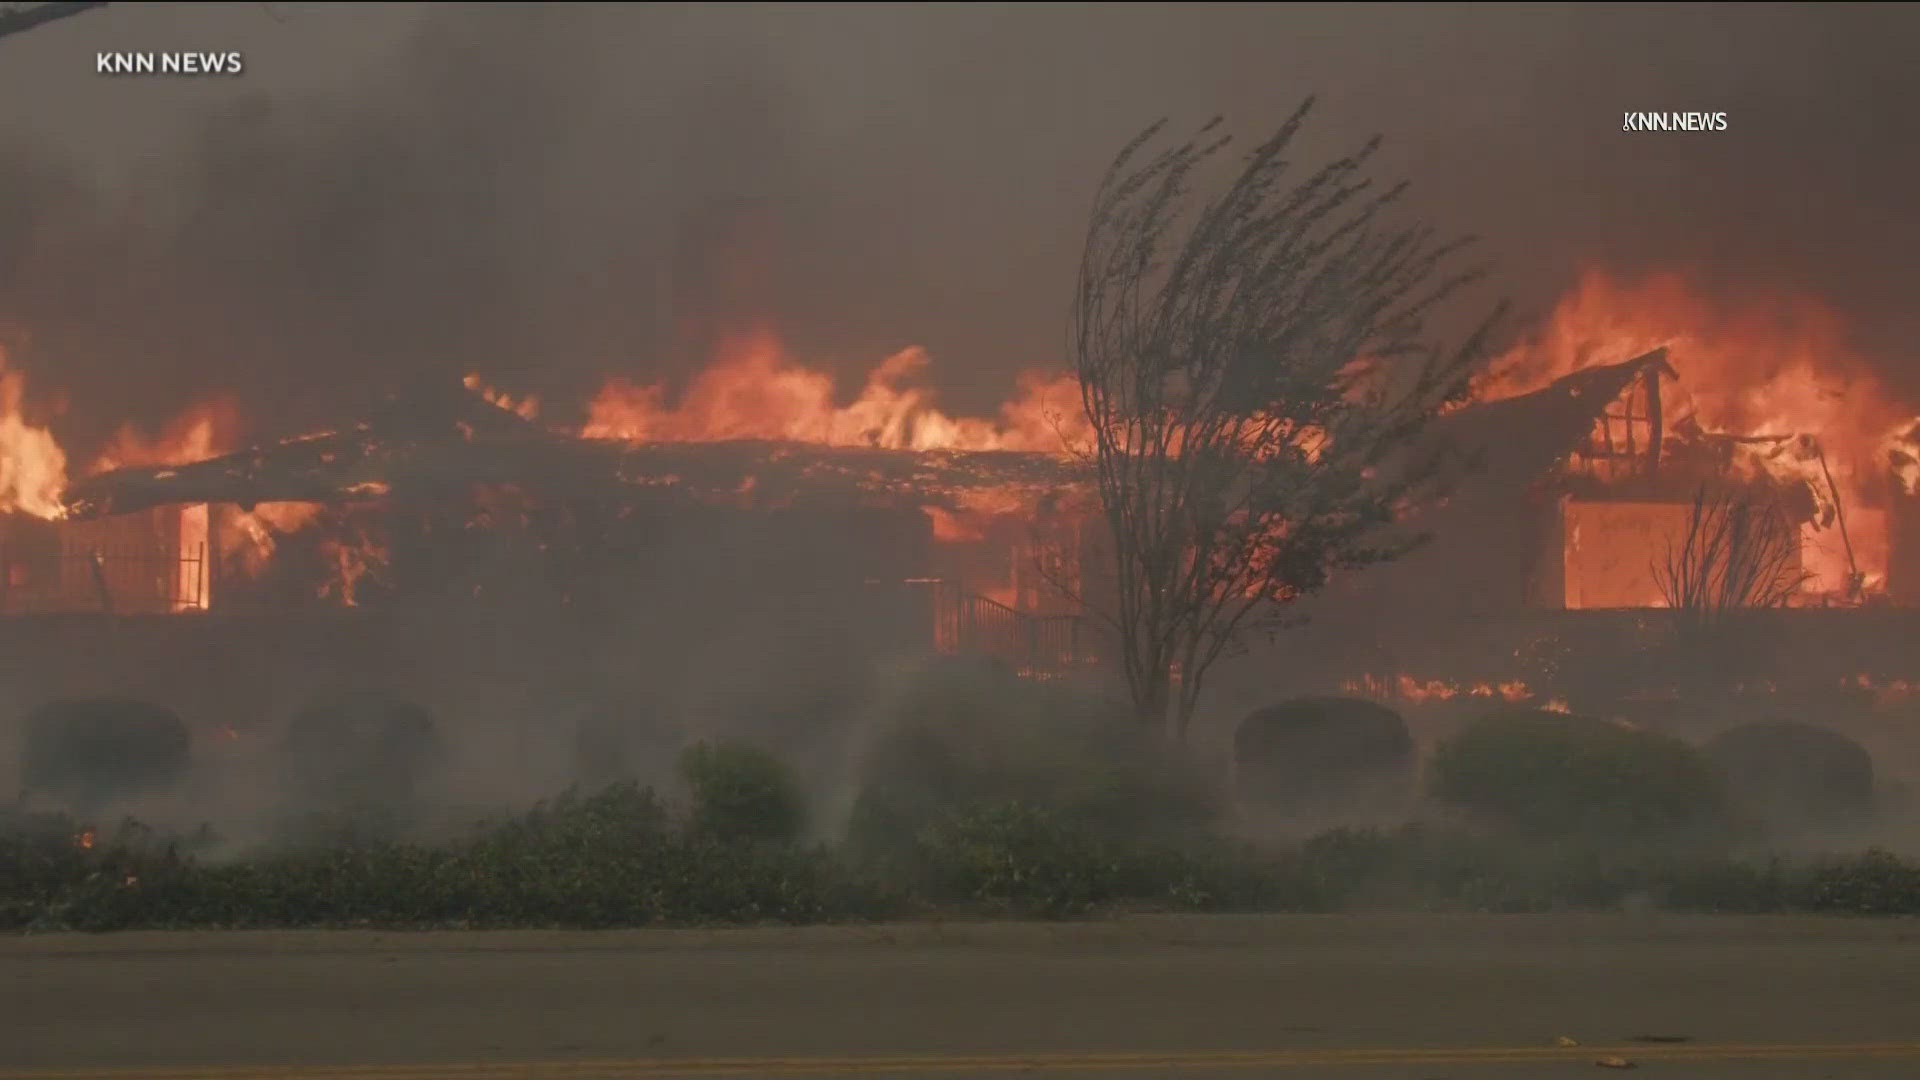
[619, 858]
[1543, 773]
[966, 742]
[990, 800]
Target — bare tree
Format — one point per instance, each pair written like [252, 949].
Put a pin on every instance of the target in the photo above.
[1255, 373]
[18, 18]
[1738, 550]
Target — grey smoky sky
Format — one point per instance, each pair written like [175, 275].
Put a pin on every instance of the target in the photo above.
[549, 194]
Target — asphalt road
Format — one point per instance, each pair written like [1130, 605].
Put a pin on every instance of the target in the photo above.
[1424, 998]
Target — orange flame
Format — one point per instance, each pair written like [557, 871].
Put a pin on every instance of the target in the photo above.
[206, 430]
[1768, 366]
[527, 408]
[354, 560]
[1904, 455]
[33, 468]
[968, 519]
[754, 390]
[245, 539]
[1885, 691]
[85, 839]
[1410, 689]
[249, 539]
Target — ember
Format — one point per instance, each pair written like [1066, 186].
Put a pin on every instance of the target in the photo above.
[1884, 691]
[527, 408]
[1410, 689]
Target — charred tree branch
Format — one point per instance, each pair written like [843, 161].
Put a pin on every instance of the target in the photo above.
[1253, 370]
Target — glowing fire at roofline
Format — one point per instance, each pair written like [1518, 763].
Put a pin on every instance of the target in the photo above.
[1774, 376]
[1767, 369]
[755, 390]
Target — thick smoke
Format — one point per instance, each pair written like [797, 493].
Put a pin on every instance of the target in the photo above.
[545, 194]
[470, 203]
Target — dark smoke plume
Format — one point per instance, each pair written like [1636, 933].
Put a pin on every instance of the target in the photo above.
[546, 194]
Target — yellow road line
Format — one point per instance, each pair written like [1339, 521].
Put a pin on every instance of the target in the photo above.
[990, 1063]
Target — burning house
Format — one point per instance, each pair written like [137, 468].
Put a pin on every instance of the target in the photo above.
[1604, 469]
[1577, 473]
[451, 499]
[1581, 495]
[450, 549]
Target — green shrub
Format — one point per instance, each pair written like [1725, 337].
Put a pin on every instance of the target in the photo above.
[1544, 774]
[602, 860]
[39, 854]
[1728, 886]
[614, 858]
[1873, 883]
[359, 754]
[1419, 867]
[1017, 857]
[741, 792]
[962, 742]
[1021, 859]
[89, 751]
[618, 819]
[1318, 751]
[1788, 773]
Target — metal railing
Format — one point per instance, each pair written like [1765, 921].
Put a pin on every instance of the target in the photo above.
[114, 580]
[1035, 646]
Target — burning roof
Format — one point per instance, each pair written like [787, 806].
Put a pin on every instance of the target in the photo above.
[1765, 392]
[1513, 442]
[447, 442]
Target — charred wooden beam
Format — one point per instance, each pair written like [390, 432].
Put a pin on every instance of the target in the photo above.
[1520, 440]
[363, 465]
[1656, 420]
[777, 470]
